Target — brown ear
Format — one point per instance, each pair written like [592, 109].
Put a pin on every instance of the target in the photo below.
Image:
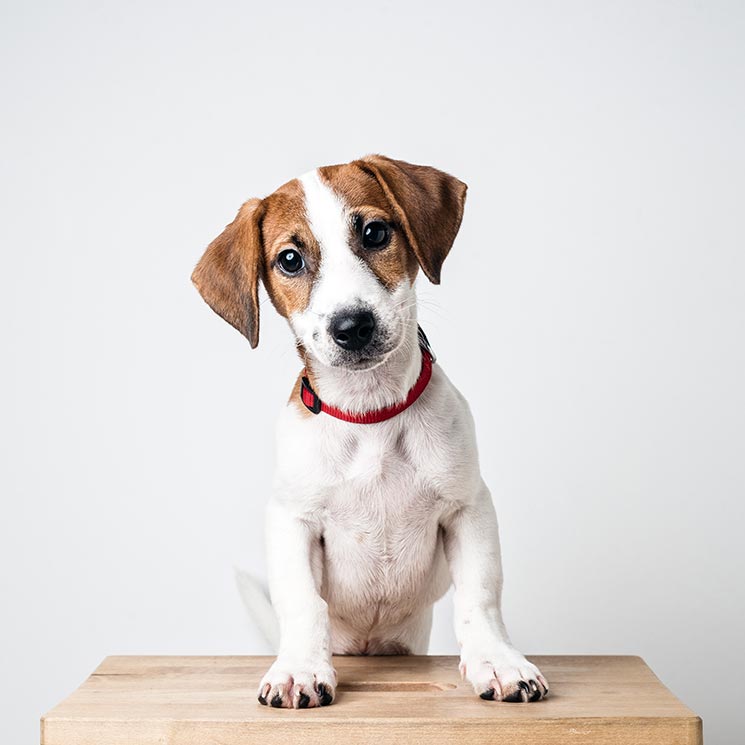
[428, 205]
[227, 276]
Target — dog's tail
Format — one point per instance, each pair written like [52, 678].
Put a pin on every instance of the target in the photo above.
[256, 599]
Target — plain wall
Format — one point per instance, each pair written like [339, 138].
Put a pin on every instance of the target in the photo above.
[592, 312]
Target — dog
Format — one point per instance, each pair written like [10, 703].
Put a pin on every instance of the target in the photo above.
[378, 503]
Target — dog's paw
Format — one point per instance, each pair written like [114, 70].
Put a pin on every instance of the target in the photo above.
[505, 676]
[298, 685]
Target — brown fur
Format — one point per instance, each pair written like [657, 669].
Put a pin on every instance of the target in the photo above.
[227, 276]
[284, 225]
[428, 205]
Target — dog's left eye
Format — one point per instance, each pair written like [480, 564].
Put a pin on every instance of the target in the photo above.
[375, 235]
[291, 261]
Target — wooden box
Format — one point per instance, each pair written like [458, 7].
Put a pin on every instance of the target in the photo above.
[380, 700]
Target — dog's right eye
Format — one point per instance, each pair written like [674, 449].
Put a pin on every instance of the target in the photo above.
[291, 261]
[375, 235]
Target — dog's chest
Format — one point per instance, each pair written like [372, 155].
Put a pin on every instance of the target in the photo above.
[378, 482]
[381, 522]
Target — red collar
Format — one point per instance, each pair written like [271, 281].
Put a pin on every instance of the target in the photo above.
[314, 404]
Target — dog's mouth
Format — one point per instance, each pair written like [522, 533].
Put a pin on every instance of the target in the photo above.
[369, 360]
[364, 363]
[374, 354]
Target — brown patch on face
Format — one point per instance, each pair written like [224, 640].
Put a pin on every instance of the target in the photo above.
[227, 276]
[427, 203]
[365, 198]
[284, 225]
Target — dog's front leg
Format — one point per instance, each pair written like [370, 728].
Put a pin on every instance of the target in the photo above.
[302, 676]
[488, 660]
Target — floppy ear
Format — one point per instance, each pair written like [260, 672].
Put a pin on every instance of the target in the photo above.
[428, 205]
[227, 276]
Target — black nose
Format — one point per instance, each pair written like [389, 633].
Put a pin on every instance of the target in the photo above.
[353, 331]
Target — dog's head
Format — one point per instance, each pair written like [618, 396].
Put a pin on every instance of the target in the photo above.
[338, 251]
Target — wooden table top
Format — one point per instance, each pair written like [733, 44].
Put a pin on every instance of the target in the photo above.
[202, 700]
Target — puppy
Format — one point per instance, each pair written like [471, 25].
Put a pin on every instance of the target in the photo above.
[378, 503]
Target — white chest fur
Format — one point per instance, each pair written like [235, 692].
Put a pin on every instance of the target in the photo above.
[383, 555]
[376, 496]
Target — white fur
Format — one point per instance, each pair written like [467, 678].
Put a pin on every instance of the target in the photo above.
[368, 524]
[345, 281]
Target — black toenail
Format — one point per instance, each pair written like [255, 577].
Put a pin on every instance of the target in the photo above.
[262, 700]
[536, 691]
[323, 694]
[303, 701]
[487, 695]
[523, 685]
[277, 702]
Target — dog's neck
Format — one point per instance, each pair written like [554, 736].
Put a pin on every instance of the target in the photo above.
[358, 391]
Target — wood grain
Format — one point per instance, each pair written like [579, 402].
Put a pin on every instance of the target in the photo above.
[380, 700]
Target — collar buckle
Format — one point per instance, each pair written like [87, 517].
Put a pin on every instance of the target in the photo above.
[309, 397]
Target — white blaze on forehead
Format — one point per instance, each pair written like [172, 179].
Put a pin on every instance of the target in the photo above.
[344, 281]
[343, 277]
[325, 212]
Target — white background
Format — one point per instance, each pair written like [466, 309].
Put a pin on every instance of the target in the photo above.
[592, 311]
